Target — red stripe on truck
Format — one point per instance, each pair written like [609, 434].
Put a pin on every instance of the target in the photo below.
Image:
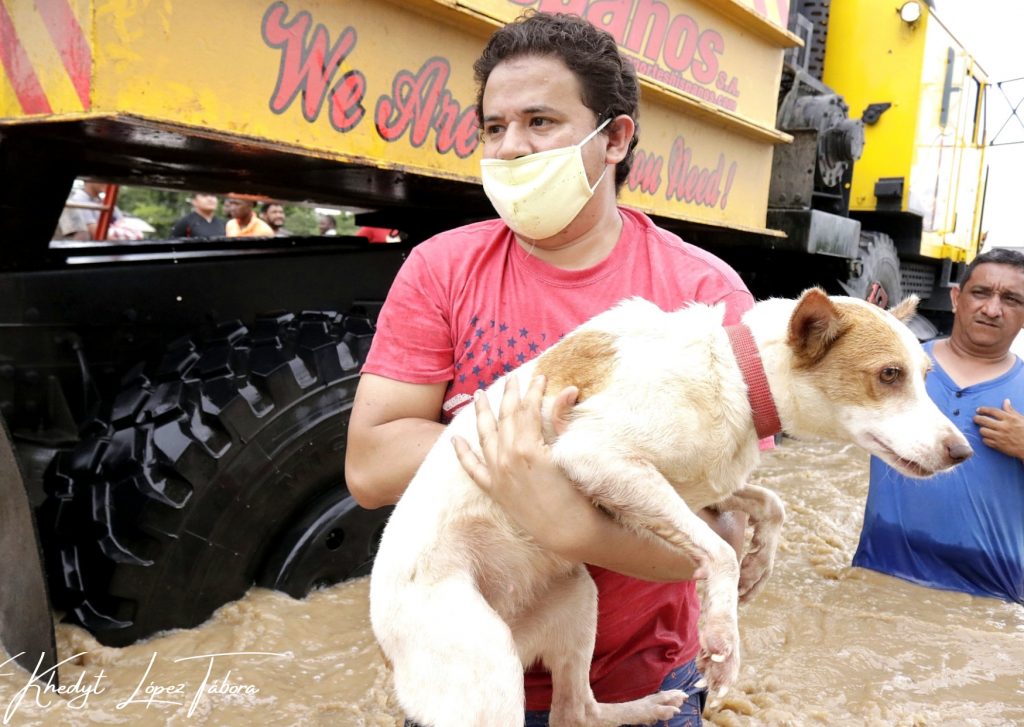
[74, 51]
[19, 70]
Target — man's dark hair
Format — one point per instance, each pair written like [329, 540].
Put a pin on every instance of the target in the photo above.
[608, 81]
[997, 256]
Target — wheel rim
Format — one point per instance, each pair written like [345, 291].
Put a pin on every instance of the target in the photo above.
[334, 539]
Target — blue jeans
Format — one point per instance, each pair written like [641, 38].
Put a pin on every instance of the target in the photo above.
[682, 677]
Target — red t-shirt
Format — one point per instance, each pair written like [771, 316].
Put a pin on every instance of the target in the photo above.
[471, 304]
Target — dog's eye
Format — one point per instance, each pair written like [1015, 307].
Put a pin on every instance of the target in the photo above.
[889, 375]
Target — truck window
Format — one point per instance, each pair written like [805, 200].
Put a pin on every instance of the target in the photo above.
[972, 98]
[948, 89]
[137, 215]
[981, 112]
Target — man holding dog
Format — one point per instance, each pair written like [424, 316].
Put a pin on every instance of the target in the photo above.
[557, 105]
[964, 529]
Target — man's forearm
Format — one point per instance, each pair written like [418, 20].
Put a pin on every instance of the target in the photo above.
[380, 463]
[602, 541]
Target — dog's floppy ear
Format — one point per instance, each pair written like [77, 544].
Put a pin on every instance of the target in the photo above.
[906, 308]
[814, 326]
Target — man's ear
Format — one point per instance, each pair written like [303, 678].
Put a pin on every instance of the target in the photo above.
[620, 130]
[814, 326]
[906, 308]
[954, 296]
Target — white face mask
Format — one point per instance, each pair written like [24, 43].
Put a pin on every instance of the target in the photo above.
[540, 194]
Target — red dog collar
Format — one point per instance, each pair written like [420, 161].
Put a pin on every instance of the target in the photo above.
[766, 417]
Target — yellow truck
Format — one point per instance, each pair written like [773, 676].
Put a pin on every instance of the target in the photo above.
[174, 411]
[921, 179]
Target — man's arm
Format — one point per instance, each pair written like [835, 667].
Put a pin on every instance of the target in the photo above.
[392, 427]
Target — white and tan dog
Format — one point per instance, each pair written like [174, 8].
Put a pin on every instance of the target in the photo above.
[461, 599]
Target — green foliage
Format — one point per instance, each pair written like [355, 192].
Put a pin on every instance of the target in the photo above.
[159, 207]
[300, 220]
[346, 222]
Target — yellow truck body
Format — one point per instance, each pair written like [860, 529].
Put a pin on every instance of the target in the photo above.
[389, 85]
[930, 144]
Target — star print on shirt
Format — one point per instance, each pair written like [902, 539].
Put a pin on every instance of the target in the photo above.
[489, 351]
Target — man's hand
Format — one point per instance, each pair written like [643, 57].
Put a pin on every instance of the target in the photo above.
[517, 469]
[1002, 429]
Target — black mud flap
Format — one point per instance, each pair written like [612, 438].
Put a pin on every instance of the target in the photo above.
[26, 624]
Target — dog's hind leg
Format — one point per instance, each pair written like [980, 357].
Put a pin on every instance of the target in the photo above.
[560, 631]
[455, 663]
[766, 513]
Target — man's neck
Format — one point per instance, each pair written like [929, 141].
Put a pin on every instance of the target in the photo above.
[587, 241]
[967, 365]
[244, 221]
[205, 216]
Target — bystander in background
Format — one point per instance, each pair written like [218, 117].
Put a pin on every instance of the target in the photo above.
[243, 222]
[202, 221]
[963, 530]
[80, 218]
[327, 223]
[273, 214]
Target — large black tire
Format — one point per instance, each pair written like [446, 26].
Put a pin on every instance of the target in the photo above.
[880, 282]
[879, 265]
[176, 505]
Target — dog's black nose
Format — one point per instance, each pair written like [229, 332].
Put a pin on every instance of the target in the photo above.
[958, 452]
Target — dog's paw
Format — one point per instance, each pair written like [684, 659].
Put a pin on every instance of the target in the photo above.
[755, 570]
[719, 658]
[665, 705]
[654, 708]
[759, 560]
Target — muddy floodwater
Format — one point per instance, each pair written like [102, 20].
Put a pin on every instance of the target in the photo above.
[824, 644]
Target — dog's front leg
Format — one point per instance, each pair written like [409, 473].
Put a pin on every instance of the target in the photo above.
[637, 493]
[766, 514]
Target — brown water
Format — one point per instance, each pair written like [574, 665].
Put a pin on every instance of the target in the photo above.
[824, 644]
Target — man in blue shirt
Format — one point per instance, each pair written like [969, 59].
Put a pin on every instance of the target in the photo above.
[963, 530]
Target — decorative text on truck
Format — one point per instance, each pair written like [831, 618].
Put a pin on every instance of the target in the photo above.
[662, 45]
[419, 103]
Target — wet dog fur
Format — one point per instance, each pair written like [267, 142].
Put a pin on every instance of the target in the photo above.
[461, 599]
